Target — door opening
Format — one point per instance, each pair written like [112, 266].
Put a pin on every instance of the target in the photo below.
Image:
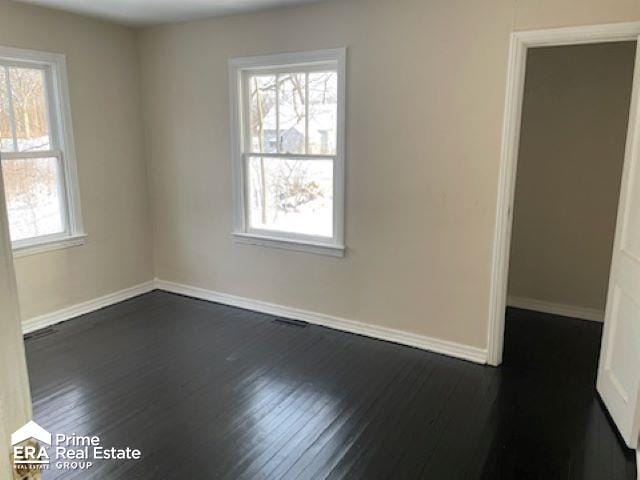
[574, 124]
[613, 297]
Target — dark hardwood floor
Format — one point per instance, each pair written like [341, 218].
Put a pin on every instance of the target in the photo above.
[208, 391]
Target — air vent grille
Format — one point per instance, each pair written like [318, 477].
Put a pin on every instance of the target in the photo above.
[291, 323]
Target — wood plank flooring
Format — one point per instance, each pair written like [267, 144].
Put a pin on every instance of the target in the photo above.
[208, 391]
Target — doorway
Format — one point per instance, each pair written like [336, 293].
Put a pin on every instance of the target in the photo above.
[574, 123]
[619, 306]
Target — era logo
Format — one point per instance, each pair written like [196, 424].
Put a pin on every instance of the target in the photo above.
[28, 448]
[31, 452]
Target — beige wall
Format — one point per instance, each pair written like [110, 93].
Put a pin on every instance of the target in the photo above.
[420, 202]
[575, 115]
[105, 101]
[421, 168]
[535, 14]
[422, 159]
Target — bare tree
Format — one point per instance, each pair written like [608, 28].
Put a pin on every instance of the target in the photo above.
[31, 184]
[285, 182]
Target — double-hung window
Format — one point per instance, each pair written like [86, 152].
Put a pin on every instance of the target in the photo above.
[288, 150]
[36, 152]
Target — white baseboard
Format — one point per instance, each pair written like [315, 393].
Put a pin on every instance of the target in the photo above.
[444, 347]
[73, 311]
[452, 349]
[582, 313]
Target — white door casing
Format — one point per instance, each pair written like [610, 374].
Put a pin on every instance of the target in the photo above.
[520, 42]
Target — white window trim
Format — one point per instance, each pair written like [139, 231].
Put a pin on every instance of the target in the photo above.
[61, 131]
[287, 240]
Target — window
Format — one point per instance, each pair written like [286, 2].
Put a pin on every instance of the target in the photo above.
[288, 150]
[36, 152]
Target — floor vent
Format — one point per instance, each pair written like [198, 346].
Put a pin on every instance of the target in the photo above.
[45, 332]
[291, 323]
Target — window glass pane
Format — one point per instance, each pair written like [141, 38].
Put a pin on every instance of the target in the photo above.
[262, 113]
[292, 111]
[323, 112]
[32, 190]
[28, 94]
[6, 137]
[291, 195]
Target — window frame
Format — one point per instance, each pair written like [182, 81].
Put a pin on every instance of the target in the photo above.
[239, 68]
[62, 147]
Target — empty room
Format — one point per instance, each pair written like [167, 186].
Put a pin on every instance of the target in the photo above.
[320, 239]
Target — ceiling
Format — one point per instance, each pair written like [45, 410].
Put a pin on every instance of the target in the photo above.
[151, 12]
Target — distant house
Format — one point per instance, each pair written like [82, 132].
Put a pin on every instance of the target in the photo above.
[292, 140]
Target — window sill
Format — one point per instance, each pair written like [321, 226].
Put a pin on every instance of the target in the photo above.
[36, 248]
[288, 244]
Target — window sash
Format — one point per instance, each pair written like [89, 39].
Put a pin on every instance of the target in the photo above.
[312, 67]
[284, 233]
[61, 145]
[277, 72]
[290, 156]
[250, 153]
[62, 189]
[55, 140]
[240, 69]
[31, 154]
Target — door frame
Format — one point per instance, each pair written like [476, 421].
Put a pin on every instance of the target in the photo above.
[516, 71]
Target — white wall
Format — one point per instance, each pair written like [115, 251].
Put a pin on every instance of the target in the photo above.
[426, 85]
[574, 125]
[104, 85]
